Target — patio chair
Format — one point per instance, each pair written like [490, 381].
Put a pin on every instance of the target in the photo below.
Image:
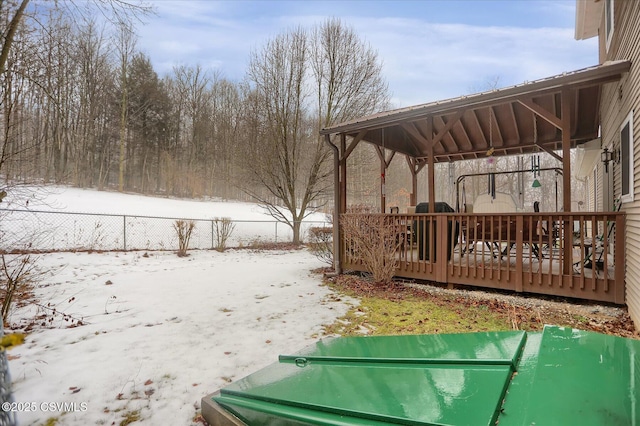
[541, 229]
[589, 261]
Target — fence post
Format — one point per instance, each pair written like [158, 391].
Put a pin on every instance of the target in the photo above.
[212, 244]
[276, 232]
[7, 417]
[124, 231]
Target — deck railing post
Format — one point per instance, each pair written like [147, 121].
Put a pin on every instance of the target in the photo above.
[440, 254]
[520, 252]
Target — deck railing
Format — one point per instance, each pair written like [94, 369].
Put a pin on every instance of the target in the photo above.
[579, 255]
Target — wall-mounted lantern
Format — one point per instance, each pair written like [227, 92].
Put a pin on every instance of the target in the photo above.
[607, 156]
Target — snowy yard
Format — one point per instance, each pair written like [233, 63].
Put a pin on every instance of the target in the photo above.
[160, 332]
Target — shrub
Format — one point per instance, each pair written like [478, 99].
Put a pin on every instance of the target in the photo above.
[321, 243]
[372, 239]
[223, 228]
[183, 228]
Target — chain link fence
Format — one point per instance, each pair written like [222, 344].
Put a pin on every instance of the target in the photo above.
[33, 230]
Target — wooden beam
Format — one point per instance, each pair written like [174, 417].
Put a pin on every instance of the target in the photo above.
[423, 128]
[416, 139]
[431, 170]
[428, 135]
[413, 131]
[566, 149]
[416, 143]
[353, 144]
[463, 128]
[441, 140]
[343, 174]
[515, 122]
[492, 115]
[566, 180]
[384, 165]
[481, 131]
[383, 157]
[550, 152]
[413, 167]
[337, 238]
[421, 163]
[383, 180]
[576, 100]
[388, 161]
[448, 126]
[546, 115]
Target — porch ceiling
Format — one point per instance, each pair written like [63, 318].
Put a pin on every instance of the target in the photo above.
[514, 120]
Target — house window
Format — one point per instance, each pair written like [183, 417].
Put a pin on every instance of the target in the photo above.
[608, 21]
[626, 158]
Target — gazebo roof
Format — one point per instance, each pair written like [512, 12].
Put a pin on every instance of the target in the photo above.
[515, 120]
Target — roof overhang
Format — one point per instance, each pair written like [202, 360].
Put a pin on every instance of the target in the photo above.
[515, 120]
[587, 156]
[588, 16]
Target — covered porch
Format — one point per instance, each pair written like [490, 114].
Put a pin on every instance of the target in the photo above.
[564, 253]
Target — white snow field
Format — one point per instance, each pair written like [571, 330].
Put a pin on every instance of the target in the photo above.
[159, 331]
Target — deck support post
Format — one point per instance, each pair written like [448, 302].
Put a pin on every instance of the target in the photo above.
[566, 179]
[431, 166]
[337, 204]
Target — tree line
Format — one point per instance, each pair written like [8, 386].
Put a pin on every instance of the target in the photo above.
[82, 105]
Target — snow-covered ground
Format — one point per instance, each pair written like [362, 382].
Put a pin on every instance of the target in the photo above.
[160, 332]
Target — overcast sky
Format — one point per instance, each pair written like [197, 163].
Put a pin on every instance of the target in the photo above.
[430, 49]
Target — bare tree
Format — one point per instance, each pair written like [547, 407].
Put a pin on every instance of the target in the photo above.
[302, 82]
[8, 33]
[95, 89]
[277, 74]
[348, 77]
[226, 110]
[193, 84]
[125, 48]
[347, 73]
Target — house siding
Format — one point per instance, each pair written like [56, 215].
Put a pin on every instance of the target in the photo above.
[618, 99]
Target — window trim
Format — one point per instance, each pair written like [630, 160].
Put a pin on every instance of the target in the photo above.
[608, 22]
[594, 206]
[626, 198]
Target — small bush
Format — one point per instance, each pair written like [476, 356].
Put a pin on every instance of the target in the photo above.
[372, 239]
[321, 243]
[183, 228]
[17, 275]
[223, 228]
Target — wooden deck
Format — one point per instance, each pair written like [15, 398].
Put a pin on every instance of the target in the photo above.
[561, 254]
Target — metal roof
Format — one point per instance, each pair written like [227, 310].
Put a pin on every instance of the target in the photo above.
[513, 120]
